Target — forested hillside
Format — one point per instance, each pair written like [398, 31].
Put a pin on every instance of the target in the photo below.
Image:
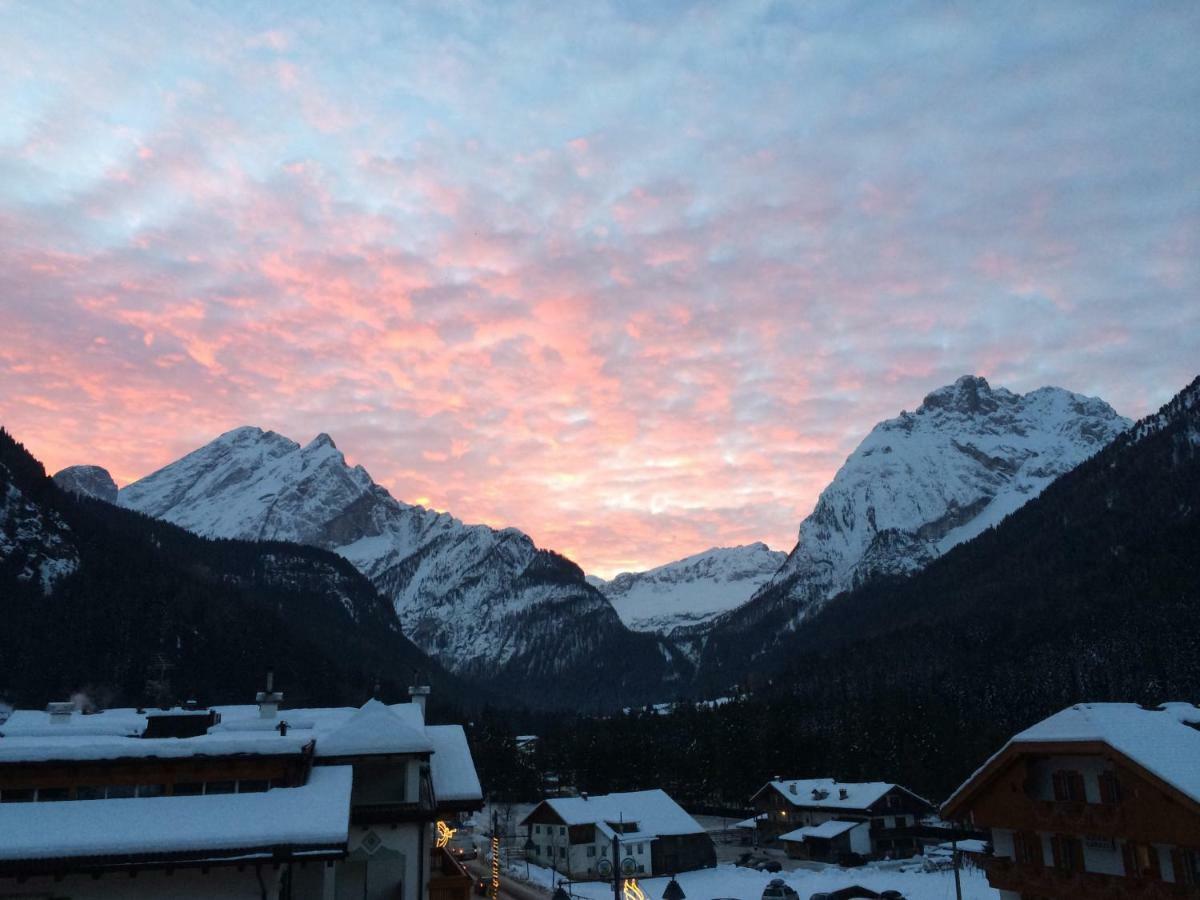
[1091, 592]
[129, 610]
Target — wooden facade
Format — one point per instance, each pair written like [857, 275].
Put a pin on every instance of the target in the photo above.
[1116, 831]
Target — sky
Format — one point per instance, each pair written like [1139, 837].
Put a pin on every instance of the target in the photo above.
[634, 277]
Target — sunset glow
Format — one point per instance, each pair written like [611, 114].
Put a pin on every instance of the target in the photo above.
[633, 278]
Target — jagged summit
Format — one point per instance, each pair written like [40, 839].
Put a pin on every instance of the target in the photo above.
[928, 480]
[480, 600]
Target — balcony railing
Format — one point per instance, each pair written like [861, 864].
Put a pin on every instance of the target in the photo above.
[1026, 878]
[1075, 817]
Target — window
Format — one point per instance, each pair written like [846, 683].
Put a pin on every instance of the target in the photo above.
[151, 790]
[16, 795]
[591, 851]
[1027, 848]
[89, 792]
[537, 829]
[1187, 866]
[1141, 861]
[1068, 853]
[641, 868]
[119, 791]
[1068, 786]
[252, 786]
[1110, 788]
[562, 852]
[188, 788]
[218, 787]
[50, 794]
[562, 830]
[639, 849]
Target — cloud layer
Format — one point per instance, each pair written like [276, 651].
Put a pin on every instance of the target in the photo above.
[634, 278]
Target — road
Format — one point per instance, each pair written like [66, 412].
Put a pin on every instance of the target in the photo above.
[509, 889]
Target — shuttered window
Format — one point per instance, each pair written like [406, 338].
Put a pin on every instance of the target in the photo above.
[1110, 788]
[1068, 785]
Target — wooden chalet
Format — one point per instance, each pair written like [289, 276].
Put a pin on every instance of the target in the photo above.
[1100, 800]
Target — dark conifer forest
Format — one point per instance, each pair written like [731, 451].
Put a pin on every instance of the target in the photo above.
[1089, 593]
[154, 614]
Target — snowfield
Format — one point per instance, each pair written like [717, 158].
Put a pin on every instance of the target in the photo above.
[730, 881]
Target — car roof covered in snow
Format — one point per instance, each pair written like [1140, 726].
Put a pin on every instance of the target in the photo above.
[1163, 741]
[653, 811]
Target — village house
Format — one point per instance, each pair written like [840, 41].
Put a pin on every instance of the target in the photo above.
[234, 801]
[823, 819]
[1099, 800]
[574, 835]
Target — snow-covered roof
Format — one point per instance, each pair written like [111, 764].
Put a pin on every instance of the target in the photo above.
[451, 766]
[859, 795]
[1163, 741]
[314, 815]
[654, 812]
[824, 831]
[374, 729]
[78, 748]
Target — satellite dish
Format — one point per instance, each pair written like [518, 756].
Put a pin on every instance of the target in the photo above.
[629, 865]
[604, 867]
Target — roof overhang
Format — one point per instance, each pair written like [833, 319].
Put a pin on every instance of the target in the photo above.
[956, 806]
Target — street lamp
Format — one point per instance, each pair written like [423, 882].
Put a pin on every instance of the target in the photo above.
[529, 848]
[673, 891]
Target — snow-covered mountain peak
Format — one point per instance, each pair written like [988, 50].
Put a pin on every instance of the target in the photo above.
[927, 480]
[690, 591]
[473, 596]
[89, 481]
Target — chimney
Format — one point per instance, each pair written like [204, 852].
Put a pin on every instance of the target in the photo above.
[269, 700]
[843, 793]
[282, 728]
[60, 712]
[583, 794]
[792, 788]
[419, 694]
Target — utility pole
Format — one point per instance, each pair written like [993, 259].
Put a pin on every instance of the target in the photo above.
[616, 852]
[957, 883]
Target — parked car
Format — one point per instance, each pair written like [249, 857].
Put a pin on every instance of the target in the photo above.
[770, 865]
[463, 853]
[851, 860]
[749, 860]
[778, 889]
[854, 892]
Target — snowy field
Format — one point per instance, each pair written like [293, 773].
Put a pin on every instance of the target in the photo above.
[728, 881]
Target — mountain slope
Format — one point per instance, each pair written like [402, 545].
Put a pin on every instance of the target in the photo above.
[690, 591]
[924, 482]
[143, 611]
[487, 603]
[1090, 592]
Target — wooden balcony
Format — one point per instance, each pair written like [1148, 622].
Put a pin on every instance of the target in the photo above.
[1066, 817]
[448, 880]
[1042, 881]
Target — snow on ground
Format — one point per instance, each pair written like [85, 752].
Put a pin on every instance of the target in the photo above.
[728, 881]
